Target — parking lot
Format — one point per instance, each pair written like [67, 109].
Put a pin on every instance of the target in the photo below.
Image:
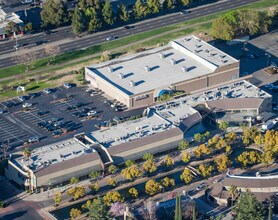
[56, 116]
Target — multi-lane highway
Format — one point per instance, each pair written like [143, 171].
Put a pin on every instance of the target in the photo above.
[68, 42]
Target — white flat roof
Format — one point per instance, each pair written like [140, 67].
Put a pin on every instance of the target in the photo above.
[130, 74]
[54, 153]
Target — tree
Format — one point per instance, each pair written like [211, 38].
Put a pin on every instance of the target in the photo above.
[94, 174]
[249, 207]
[228, 149]
[183, 145]
[149, 210]
[139, 10]
[259, 139]
[148, 156]
[269, 216]
[133, 192]
[112, 197]
[199, 137]
[29, 27]
[149, 166]
[57, 198]
[185, 2]
[11, 27]
[131, 172]
[194, 217]
[105, 56]
[233, 192]
[202, 149]
[230, 137]
[112, 182]
[54, 13]
[249, 135]
[178, 214]
[249, 158]
[112, 169]
[222, 162]
[123, 13]
[107, 13]
[168, 4]
[223, 125]
[185, 157]
[267, 158]
[186, 176]
[168, 161]
[27, 58]
[167, 182]
[74, 180]
[205, 170]
[93, 21]
[152, 187]
[153, 6]
[117, 209]
[76, 192]
[75, 213]
[27, 153]
[52, 51]
[97, 210]
[94, 187]
[224, 27]
[77, 21]
[129, 163]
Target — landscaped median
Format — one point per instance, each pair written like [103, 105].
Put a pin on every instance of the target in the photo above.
[76, 59]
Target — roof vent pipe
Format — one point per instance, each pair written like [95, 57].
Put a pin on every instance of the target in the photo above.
[121, 76]
[131, 83]
[162, 55]
[110, 69]
[147, 69]
[173, 62]
[184, 69]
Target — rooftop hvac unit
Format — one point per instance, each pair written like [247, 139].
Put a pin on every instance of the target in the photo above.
[173, 62]
[187, 39]
[131, 83]
[121, 76]
[161, 55]
[199, 40]
[184, 69]
[147, 69]
[110, 69]
[222, 56]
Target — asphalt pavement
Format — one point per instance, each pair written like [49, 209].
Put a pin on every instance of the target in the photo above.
[64, 37]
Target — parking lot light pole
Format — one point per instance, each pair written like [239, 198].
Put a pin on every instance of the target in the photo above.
[268, 58]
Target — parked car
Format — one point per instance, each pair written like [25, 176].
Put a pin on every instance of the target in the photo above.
[34, 95]
[69, 85]
[2, 111]
[91, 113]
[42, 113]
[57, 132]
[21, 98]
[47, 91]
[9, 105]
[33, 140]
[27, 105]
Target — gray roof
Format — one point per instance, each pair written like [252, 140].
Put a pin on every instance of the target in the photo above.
[218, 190]
[235, 103]
[144, 141]
[161, 67]
[251, 183]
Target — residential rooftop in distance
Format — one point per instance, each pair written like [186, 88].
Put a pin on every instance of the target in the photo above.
[54, 153]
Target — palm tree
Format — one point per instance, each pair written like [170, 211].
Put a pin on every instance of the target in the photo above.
[233, 192]
[27, 153]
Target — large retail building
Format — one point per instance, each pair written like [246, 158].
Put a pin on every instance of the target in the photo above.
[186, 64]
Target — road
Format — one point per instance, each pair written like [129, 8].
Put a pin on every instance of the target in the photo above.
[7, 51]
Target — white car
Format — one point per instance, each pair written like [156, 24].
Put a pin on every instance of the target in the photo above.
[27, 105]
[33, 140]
[21, 98]
[91, 113]
[47, 91]
[275, 108]
[67, 85]
[110, 38]
[184, 12]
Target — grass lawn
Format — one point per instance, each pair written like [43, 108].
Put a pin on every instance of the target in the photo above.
[71, 56]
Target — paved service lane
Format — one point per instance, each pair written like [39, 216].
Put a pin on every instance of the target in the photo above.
[62, 34]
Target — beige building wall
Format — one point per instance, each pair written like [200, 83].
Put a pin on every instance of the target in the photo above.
[192, 85]
[154, 148]
[222, 77]
[95, 165]
[14, 173]
[107, 87]
[143, 102]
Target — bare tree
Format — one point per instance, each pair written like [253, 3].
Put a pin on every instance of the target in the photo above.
[27, 58]
[38, 78]
[149, 210]
[52, 51]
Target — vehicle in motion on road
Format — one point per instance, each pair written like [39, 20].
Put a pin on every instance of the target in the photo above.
[110, 38]
[26, 1]
[184, 12]
[201, 186]
[41, 42]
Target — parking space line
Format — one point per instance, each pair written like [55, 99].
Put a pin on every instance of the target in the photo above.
[11, 134]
